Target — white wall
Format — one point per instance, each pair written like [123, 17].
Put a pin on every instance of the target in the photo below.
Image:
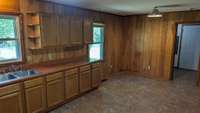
[179, 29]
[190, 50]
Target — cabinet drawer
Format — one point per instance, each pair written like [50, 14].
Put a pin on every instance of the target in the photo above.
[54, 76]
[72, 76]
[9, 89]
[34, 82]
[71, 72]
[85, 68]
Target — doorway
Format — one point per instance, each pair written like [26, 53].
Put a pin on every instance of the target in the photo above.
[187, 51]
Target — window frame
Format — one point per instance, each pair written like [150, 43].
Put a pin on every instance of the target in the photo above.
[19, 38]
[98, 24]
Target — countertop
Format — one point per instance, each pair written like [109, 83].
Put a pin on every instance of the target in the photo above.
[46, 70]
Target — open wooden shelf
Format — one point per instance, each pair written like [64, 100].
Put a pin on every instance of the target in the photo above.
[33, 25]
[34, 32]
[33, 37]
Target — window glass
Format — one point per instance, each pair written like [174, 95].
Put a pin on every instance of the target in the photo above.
[97, 34]
[95, 52]
[9, 40]
[96, 48]
[7, 28]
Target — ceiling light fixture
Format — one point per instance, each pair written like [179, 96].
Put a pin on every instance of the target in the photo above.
[155, 13]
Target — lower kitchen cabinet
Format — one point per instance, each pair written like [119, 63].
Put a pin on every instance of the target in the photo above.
[11, 99]
[71, 83]
[35, 95]
[55, 92]
[39, 94]
[85, 81]
[96, 77]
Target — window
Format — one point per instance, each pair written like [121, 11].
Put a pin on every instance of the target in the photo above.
[10, 50]
[96, 48]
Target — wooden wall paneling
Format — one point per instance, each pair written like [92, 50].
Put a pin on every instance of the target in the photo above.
[151, 42]
[198, 82]
[113, 39]
[88, 32]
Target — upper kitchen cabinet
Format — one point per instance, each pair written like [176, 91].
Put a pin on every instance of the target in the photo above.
[76, 30]
[9, 5]
[64, 30]
[88, 30]
[49, 29]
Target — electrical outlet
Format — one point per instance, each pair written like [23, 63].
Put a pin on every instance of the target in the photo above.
[149, 67]
[50, 56]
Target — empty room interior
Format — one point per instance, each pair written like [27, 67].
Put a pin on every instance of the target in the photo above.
[99, 56]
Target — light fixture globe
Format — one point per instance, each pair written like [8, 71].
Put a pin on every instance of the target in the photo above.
[155, 13]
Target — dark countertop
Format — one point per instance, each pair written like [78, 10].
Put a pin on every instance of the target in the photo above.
[46, 70]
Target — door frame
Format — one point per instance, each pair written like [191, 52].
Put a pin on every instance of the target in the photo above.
[171, 77]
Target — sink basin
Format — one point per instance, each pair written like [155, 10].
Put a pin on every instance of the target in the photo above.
[7, 77]
[25, 73]
[18, 74]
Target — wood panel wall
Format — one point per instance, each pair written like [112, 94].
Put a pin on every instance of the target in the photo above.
[113, 33]
[132, 43]
[149, 42]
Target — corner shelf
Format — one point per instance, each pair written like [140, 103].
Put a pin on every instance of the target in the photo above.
[34, 32]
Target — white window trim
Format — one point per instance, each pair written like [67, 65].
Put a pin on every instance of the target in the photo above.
[18, 39]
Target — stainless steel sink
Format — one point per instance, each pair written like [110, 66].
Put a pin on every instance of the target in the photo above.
[7, 77]
[18, 75]
[25, 73]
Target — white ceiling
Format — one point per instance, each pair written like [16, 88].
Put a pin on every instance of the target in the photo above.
[129, 7]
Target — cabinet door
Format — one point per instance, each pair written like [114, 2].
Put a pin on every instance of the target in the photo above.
[35, 99]
[64, 30]
[71, 86]
[76, 31]
[88, 30]
[55, 92]
[11, 103]
[96, 77]
[49, 29]
[85, 81]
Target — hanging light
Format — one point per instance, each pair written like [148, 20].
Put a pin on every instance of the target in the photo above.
[155, 13]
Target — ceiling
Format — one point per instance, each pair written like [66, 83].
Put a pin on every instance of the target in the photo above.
[131, 7]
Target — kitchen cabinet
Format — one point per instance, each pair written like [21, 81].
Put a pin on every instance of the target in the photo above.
[96, 77]
[88, 30]
[76, 30]
[39, 94]
[55, 89]
[64, 30]
[35, 95]
[85, 78]
[71, 83]
[11, 99]
[49, 29]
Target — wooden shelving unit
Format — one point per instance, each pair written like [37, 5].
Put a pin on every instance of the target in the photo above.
[34, 32]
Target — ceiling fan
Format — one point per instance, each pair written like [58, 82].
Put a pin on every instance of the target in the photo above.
[156, 12]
